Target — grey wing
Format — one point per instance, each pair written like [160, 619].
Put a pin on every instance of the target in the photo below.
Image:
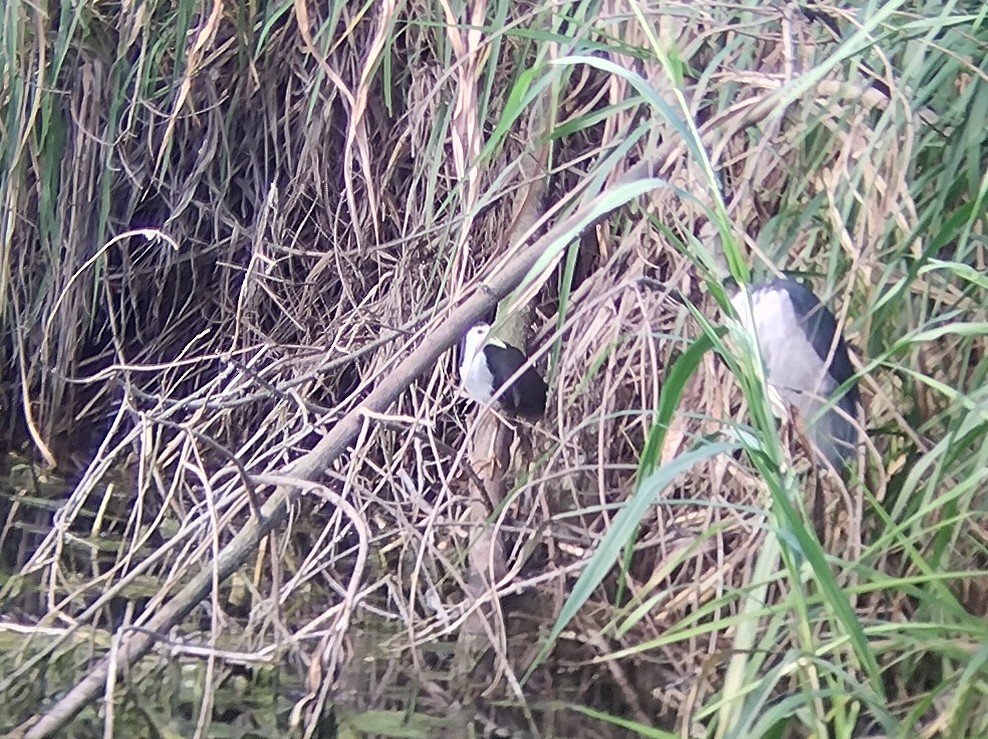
[795, 368]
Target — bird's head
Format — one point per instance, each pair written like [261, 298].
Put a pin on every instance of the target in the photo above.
[473, 341]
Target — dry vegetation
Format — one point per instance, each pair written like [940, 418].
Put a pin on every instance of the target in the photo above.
[238, 241]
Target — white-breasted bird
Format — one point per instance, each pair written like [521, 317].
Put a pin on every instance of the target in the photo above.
[486, 363]
[805, 360]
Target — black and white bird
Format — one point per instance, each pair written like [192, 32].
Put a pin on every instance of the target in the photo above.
[805, 361]
[486, 363]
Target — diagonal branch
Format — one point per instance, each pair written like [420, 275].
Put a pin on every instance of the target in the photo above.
[132, 645]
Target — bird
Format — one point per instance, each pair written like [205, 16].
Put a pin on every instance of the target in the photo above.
[486, 363]
[805, 360]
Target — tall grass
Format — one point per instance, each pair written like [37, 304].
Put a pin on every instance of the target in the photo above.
[224, 226]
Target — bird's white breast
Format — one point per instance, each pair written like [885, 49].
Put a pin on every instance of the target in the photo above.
[475, 375]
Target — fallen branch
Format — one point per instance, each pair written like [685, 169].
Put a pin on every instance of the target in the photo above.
[134, 644]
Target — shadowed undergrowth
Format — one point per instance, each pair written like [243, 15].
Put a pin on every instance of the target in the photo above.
[225, 224]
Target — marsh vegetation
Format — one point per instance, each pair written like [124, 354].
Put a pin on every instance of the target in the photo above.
[241, 495]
